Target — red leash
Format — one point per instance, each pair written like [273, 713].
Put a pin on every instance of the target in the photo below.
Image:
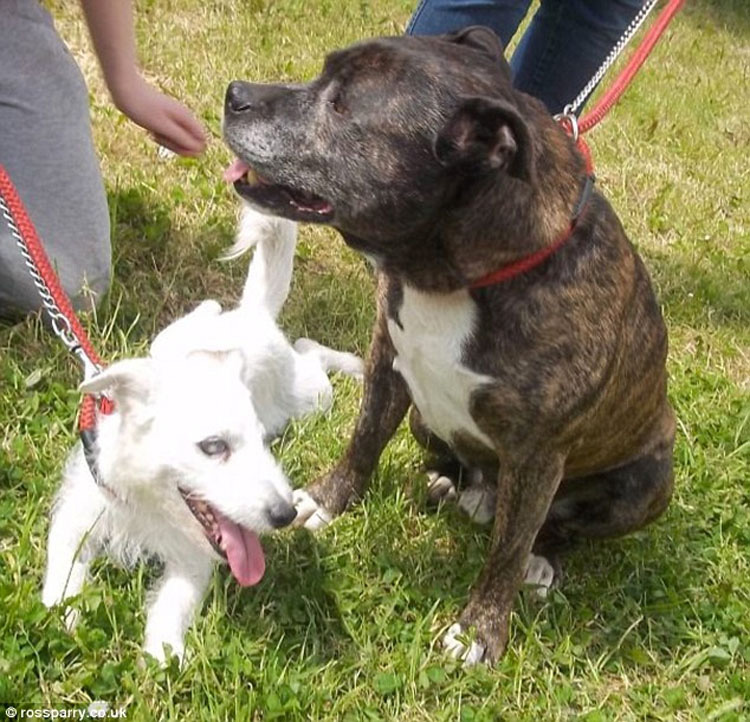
[576, 128]
[623, 80]
[63, 318]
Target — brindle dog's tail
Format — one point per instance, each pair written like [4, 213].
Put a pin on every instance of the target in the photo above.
[270, 272]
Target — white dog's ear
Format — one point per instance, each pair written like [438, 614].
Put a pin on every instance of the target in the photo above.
[179, 337]
[128, 382]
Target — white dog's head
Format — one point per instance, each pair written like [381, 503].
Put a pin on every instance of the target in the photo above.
[186, 442]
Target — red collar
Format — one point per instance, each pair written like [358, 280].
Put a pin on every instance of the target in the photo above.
[526, 263]
[516, 268]
[87, 430]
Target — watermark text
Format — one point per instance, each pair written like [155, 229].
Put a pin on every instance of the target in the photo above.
[96, 710]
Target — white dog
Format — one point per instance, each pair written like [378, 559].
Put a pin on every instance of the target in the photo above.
[186, 473]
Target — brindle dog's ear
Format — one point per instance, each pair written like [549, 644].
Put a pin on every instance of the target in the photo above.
[485, 40]
[485, 135]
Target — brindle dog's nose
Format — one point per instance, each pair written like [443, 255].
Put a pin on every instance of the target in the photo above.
[281, 514]
[239, 97]
[242, 97]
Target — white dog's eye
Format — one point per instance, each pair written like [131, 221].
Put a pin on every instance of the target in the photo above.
[214, 446]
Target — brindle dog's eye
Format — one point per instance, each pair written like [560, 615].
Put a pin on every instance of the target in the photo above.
[214, 446]
[337, 103]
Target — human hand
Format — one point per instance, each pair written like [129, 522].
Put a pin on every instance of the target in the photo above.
[170, 123]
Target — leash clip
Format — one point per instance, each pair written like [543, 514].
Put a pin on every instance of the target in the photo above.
[90, 369]
[569, 121]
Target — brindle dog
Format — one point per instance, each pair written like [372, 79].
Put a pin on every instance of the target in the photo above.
[551, 385]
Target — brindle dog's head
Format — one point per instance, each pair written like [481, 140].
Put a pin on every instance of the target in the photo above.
[385, 139]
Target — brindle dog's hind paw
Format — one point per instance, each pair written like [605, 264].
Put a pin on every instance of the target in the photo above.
[540, 574]
[310, 514]
[478, 501]
[440, 489]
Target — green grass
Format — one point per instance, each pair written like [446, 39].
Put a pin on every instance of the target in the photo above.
[346, 625]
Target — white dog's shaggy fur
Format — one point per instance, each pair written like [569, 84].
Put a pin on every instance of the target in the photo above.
[187, 475]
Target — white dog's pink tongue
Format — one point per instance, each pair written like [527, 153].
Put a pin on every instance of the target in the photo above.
[236, 170]
[244, 552]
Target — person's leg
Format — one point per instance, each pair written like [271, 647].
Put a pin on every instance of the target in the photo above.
[565, 44]
[436, 17]
[46, 148]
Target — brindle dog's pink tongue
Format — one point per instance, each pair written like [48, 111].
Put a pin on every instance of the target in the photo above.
[244, 552]
[236, 170]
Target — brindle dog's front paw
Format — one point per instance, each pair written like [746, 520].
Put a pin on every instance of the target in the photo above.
[324, 499]
[310, 514]
[480, 636]
[459, 644]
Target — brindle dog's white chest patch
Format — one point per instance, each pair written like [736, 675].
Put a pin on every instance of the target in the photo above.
[429, 343]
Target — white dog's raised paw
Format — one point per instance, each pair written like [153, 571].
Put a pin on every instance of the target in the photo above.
[354, 366]
[459, 646]
[332, 360]
[540, 574]
[306, 345]
[310, 514]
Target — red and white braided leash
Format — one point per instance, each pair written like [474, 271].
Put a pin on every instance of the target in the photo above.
[60, 311]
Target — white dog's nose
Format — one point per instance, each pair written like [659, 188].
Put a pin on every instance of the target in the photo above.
[281, 514]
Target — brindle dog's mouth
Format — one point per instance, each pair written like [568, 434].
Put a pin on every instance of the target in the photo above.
[286, 201]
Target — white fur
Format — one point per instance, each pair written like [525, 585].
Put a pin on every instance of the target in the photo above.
[440, 488]
[460, 647]
[540, 574]
[478, 502]
[310, 514]
[231, 375]
[429, 342]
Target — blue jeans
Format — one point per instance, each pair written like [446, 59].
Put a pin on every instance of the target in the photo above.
[564, 45]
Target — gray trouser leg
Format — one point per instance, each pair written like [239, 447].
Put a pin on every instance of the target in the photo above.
[46, 147]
